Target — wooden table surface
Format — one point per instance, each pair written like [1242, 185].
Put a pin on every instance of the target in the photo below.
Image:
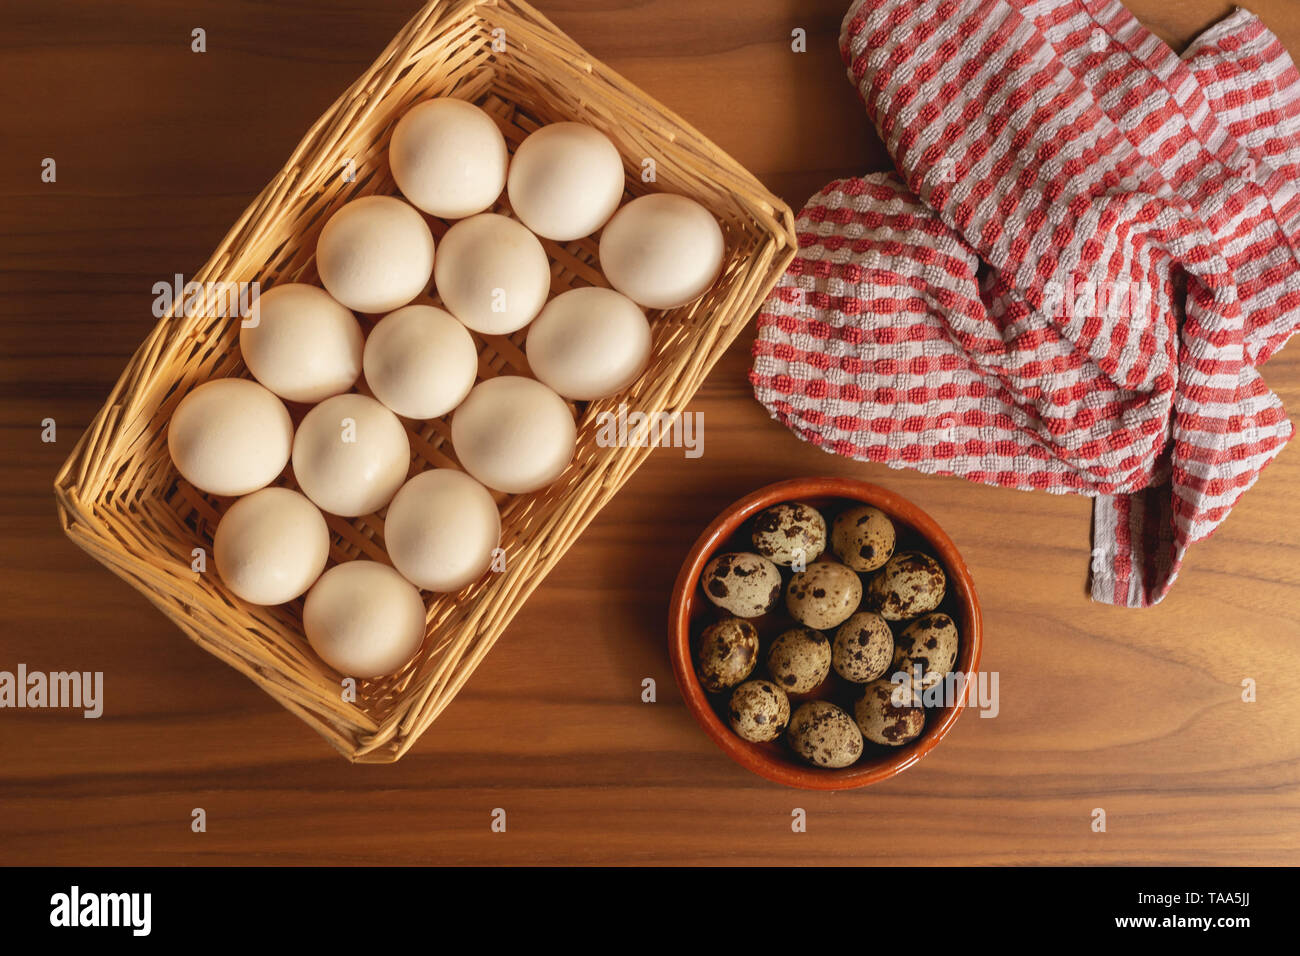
[159, 149]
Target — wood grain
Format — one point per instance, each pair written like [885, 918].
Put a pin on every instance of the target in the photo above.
[159, 149]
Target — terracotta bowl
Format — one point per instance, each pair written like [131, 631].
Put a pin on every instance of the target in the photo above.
[691, 611]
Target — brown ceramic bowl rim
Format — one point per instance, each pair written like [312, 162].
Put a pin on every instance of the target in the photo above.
[753, 757]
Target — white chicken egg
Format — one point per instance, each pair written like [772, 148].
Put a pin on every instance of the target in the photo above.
[566, 180]
[492, 274]
[364, 619]
[448, 158]
[301, 344]
[441, 529]
[589, 343]
[230, 436]
[271, 546]
[351, 455]
[662, 251]
[420, 361]
[375, 254]
[513, 434]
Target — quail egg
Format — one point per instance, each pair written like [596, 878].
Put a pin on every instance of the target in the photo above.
[909, 585]
[863, 538]
[728, 651]
[824, 735]
[759, 711]
[824, 596]
[863, 648]
[929, 643]
[747, 585]
[790, 533]
[799, 659]
[889, 714]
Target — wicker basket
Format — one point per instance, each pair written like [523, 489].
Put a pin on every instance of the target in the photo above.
[121, 499]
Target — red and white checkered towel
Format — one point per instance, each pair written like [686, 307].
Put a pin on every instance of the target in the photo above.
[1088, 249]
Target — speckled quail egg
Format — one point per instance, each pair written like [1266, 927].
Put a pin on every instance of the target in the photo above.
[747, 585]
[889, 714]
[790, 533]
[799, 659]
[824, 735]
[929, 643]
[824, 596]
[863, 648]
[909, 585]
[863, 538]
[727, 653]
[759, 711]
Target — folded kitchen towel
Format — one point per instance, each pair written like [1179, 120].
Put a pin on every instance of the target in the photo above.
[1088, 248]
